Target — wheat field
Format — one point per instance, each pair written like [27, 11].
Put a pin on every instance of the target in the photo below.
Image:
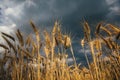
[22, 59]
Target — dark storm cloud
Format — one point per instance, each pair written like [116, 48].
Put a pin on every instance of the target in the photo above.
[69, 12]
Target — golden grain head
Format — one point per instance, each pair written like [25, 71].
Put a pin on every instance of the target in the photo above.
[106, 41]
[114, 27]
[82, 42]
[67, 41]
[54, 31]
[20, 37]
[98, 28]
[106, 30]
[28, 40]
[34, 27]
[86, 32]
[9, 36]
[10, 44]
[3, 46]
[27, 53]
[47, 51]
[86, 27]
[47, 39]
[97, 43]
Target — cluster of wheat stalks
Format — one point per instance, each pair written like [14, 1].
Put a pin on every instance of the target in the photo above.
[22, 59]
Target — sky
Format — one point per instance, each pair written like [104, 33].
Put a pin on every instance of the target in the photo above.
[16, 14]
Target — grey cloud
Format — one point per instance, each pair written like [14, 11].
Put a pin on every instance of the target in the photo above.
[69, 12]
[45, 10]
[114, 11]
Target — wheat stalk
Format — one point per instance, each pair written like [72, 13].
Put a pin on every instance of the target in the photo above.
[106, 30]
[10, 44]
[3, 46]
[20, 37]
[9, 36]
[98, 28]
